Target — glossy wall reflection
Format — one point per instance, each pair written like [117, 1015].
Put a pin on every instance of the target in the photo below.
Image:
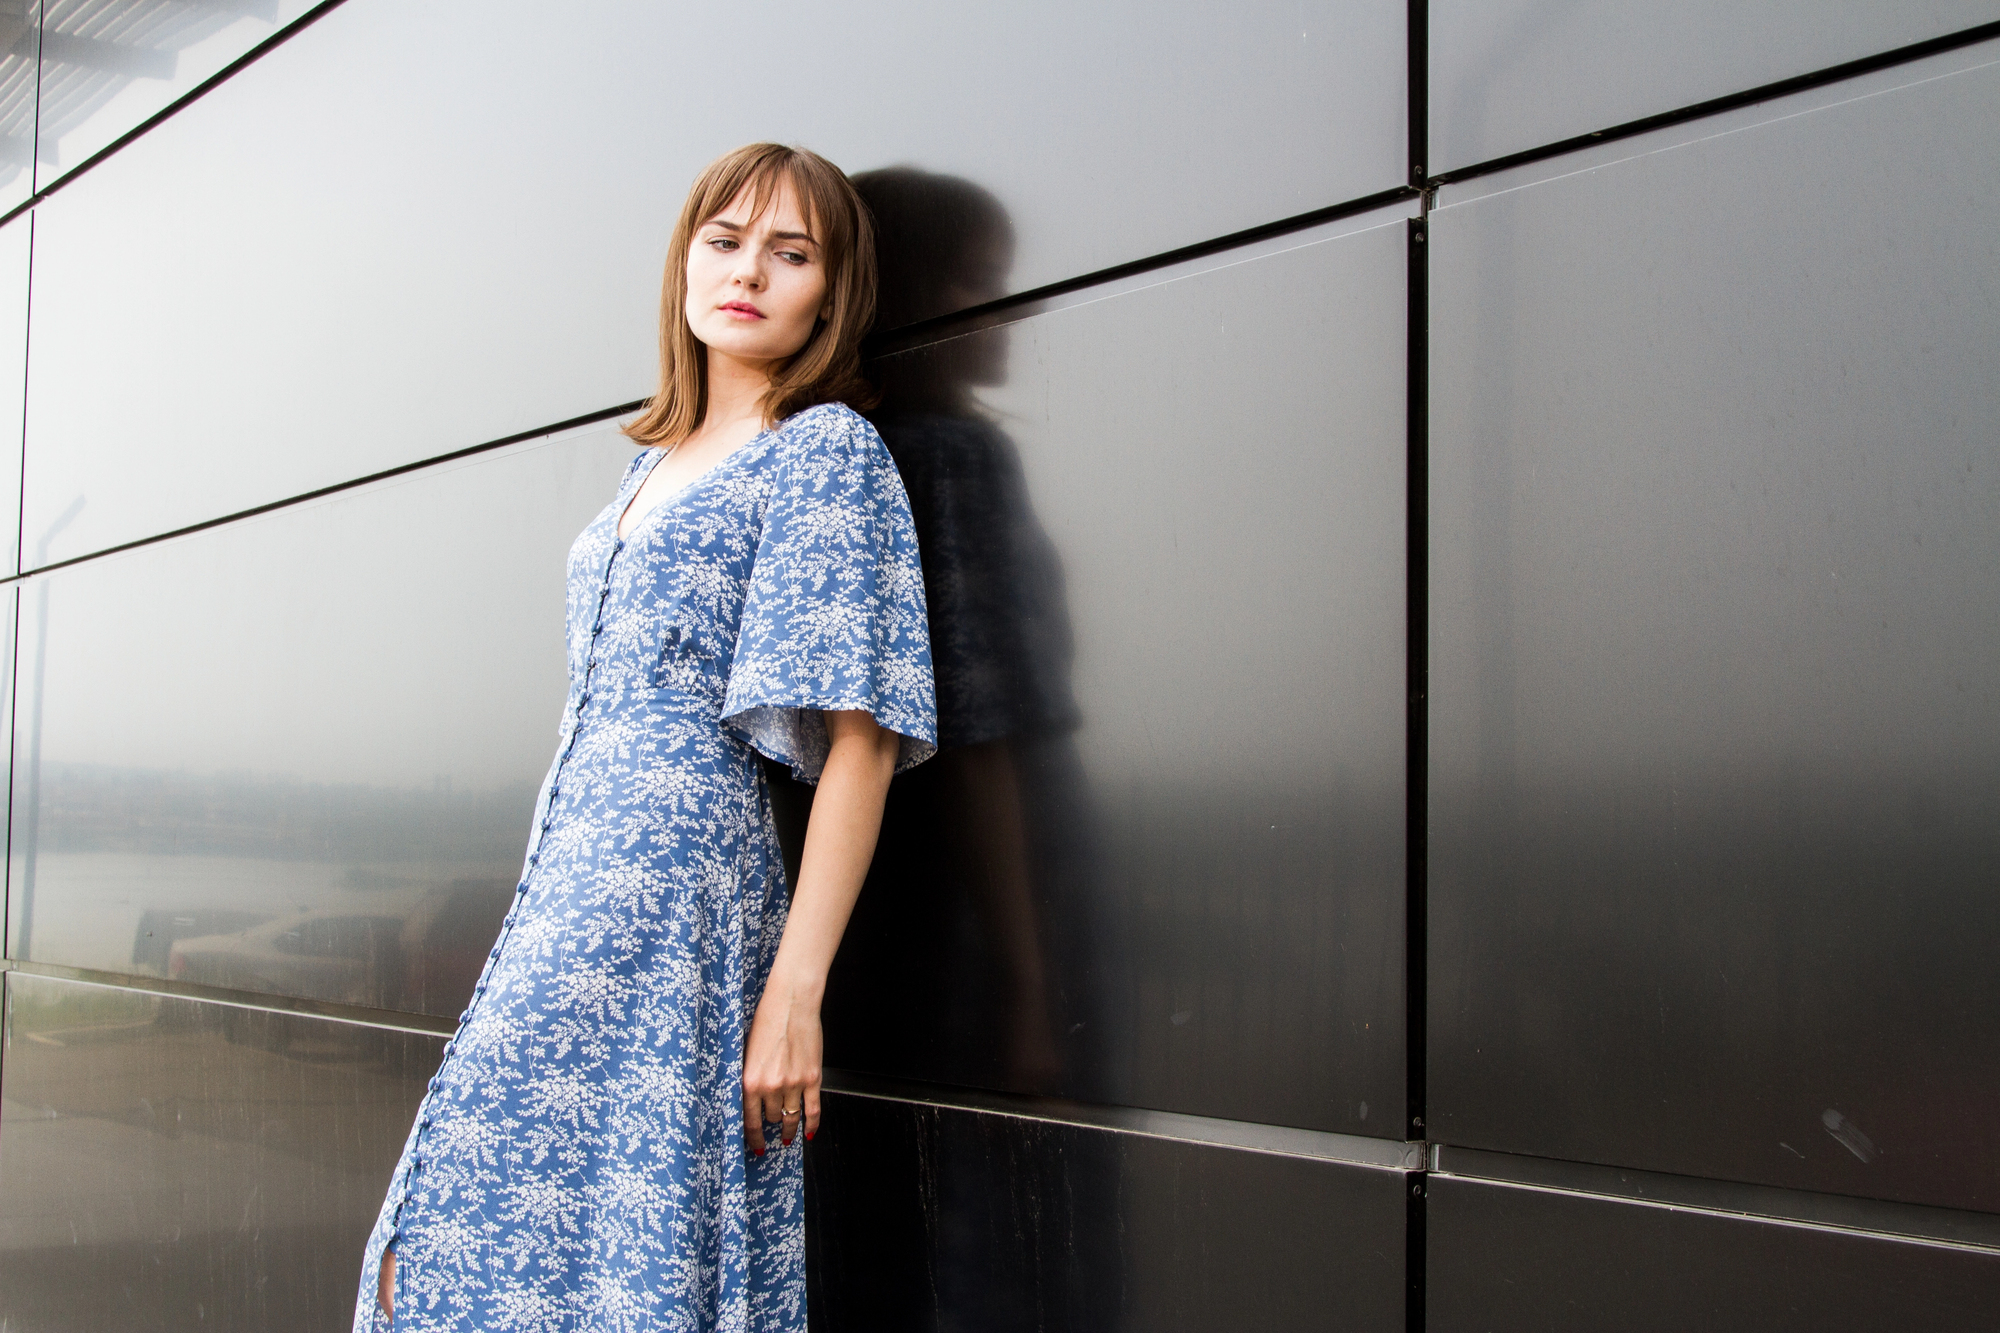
[1715, 718]
[16, 241]
[1493, 63]
[1181, 336]
[107, 66]
[315, 778]
[1510, 1259]
[169, 1164]
[925, 1218]
[1159, 857]
[375, 206]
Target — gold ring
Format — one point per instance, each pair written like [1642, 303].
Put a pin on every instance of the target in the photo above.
[786, 1110]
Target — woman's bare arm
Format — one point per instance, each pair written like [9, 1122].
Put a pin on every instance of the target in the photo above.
[781, 1062]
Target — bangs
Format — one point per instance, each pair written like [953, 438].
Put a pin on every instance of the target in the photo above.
[828, 367]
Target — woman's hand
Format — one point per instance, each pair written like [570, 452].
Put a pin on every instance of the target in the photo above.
[781, 1057]
[781, 1068]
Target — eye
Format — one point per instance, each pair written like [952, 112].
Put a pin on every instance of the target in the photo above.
[724, 243]
[792, 257]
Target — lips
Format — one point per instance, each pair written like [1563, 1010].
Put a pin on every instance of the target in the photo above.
[741, 309]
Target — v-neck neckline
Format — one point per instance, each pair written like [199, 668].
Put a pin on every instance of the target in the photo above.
[659, 457]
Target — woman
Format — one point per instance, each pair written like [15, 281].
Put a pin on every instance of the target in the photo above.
[612, 1141]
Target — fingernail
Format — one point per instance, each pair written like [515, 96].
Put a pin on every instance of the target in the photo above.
[809, 1135]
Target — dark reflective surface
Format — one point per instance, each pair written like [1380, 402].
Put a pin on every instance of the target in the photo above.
[1158, 859]
[371, 207]
[1505, 1259]
[1715, 719]
[298, 755]
[920, 1218]
[170, 1164]
[1493, 65]
[107, 65]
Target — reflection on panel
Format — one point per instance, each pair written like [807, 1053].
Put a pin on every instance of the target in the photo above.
[920, 1218]
[1495, 62]
[20, 22]
[1502, 1259]
[1715, 658]
[14, 245]
[1159, 858]
[298, 754]
[375, 206]
[107, 65]
[174, 1165]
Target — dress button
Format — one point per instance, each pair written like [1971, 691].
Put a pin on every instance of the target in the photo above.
[495, 953]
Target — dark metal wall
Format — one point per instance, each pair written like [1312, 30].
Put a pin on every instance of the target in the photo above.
[1461, 548]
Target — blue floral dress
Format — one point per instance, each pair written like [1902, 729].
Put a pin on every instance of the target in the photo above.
[578, 1162]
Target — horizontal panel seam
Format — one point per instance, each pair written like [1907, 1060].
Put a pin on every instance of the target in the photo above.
[1730, 1214]
[902, 339]
[1174, 1126]
[1715, 106]
[208, 85]
[358, 1015]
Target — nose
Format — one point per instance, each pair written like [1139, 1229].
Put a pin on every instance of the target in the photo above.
[748, 271]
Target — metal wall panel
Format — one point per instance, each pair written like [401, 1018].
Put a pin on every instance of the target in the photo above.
[1715, 658]
[20, 24]
[170, 1164]
[14, 247]
[298, 754]
[1160, 858]
[1501, 1258]
[108, 65]
[1510, 75]
[369, 247]
[922, 1218]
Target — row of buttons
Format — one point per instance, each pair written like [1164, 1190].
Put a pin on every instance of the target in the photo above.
[521, 889]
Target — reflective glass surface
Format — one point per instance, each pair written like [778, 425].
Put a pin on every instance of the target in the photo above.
[20, 22]
[1509, 75]
[1159, 858]
[298, 754]
[1512, 1259]
[14, 244]
[1715, 671]
[371, 247]
[926, 1219]
[107, 65]
[170, 1164]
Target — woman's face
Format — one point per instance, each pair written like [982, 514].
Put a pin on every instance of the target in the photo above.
[756, 285]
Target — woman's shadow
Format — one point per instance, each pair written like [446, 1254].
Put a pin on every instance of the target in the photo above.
[954, 968]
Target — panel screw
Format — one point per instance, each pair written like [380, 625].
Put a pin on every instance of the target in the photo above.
[1417, 1191]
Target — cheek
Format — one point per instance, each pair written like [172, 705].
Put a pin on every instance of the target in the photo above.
[804, 297]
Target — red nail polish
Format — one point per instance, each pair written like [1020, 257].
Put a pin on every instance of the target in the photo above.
[809, 1135]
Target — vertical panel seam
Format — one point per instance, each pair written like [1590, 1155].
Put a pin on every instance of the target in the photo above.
[1416, 924]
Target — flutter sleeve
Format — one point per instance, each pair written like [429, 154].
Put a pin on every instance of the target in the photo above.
[834, 618]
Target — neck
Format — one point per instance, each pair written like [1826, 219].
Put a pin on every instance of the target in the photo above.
[736, 389]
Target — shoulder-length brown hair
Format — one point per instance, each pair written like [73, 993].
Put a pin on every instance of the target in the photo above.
[828, 368]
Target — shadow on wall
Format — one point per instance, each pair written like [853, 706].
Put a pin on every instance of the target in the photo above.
[949, 970]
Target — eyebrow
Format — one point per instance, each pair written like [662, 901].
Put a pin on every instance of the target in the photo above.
[777, 235]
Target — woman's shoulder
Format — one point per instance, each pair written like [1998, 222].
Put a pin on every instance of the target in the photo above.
[828, 431]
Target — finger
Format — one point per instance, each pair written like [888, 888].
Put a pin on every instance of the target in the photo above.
[794, 1100]
[753, 1124]
[812, 1109]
